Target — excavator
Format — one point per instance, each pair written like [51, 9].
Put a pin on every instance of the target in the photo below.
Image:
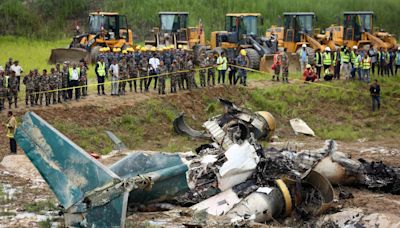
[106, 29]
[174, 31]
[358, 30]
[241, 32]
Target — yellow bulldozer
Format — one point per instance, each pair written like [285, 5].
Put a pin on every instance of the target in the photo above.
[106, 29]
[242, 32]
[298, 29]
[358, 30]
[174, 31]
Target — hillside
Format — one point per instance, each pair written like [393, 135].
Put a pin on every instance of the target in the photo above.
[57, 18]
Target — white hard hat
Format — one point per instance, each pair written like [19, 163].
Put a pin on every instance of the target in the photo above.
[398, 48]
[355, 47]
[327, 49]
[304, 45]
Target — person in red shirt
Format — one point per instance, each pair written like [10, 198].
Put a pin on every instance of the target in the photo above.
[309, 74]
[277, 66]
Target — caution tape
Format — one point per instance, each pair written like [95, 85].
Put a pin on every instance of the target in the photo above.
[121, 80]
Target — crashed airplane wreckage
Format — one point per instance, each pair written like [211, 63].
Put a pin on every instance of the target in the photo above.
[239, 180]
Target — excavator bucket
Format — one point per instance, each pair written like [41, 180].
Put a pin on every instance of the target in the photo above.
[268, 60]
[60, 55]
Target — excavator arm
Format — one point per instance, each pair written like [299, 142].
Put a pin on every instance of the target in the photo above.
[377, 41]
[314, 44]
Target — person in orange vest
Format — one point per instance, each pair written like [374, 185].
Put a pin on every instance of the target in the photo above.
[276, 66]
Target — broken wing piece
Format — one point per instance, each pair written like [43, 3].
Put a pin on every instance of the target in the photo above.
[181, 127]
[71, 173]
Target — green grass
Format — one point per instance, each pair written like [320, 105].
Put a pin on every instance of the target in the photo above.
[39, 206]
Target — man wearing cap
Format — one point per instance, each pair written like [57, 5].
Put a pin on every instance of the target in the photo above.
[133, 74]
[374, 59]
[12, 90]
[143, 70]
[337, 63]
[18, 70]
[7, 66]
[162, 78]
[382, 57]
[123, 75]
[303, 57]
[174, 68]
[202, 71]
[309, 74]
[222, 66]
[29, 89]
[211, 70]
[397, 60]
[285, 65]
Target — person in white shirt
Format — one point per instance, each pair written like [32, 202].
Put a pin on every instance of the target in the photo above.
[18, 70]
[74, 73]
[154, 63]
[114, 72]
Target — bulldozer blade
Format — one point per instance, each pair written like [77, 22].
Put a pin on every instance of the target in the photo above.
[267, 61]
[60, 55]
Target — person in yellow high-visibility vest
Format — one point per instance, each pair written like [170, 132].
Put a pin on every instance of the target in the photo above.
[101, 73]
[222, 66]
[327, 58]
[11, 126]
[366, 67]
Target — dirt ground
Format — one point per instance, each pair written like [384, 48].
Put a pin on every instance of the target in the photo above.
[20, 189]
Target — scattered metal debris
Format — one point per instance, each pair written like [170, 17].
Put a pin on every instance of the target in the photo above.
[236, 124]
[233, 176]
[300, 127]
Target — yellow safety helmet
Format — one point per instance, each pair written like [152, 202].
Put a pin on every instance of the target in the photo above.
[138, 47]
[124, 52]
[101, 50]
[153, 49]
[107, 49]
[129, 49]
[143, 49]
[116, 49]
[243, 52]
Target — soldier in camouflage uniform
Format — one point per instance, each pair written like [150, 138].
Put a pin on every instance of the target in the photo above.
[162, 71]
[174, 68]
[123, 75]
[143, 69]
[182, 77]
[3, 90]
[64, 82]
[202, 72]
[133, 73]
[211, 71]
[29, 89]
[83, 78]
[7, 66]
[191, 83]
[59, 83]
[53, 85]
[36, 83]
[285, 66]
[44, 87]
[12, 90]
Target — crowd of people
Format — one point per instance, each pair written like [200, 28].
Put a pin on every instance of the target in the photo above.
[136, 69]
[352, 63]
